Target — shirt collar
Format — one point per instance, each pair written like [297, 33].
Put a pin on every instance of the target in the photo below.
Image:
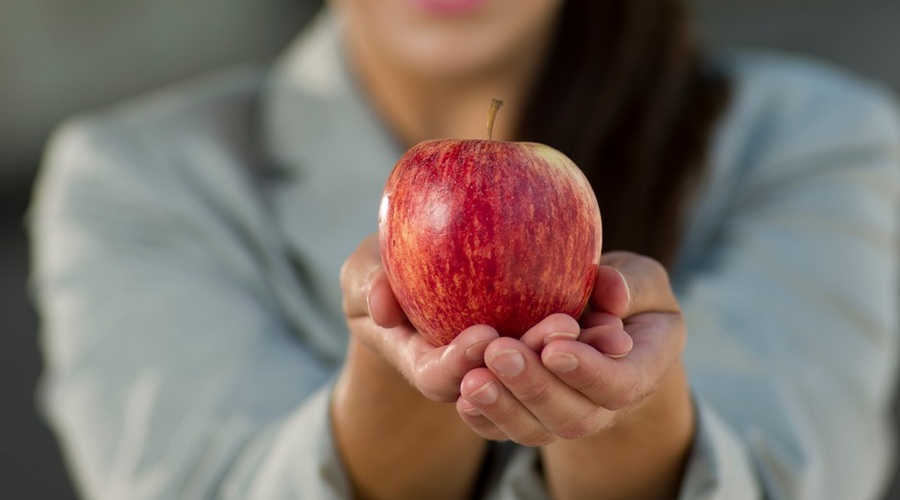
[315, 118]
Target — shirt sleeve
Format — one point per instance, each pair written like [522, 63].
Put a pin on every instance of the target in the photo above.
[791, 299]
[169, 373]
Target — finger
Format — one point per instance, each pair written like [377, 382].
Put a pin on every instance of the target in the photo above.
[491, 410]
[599, 318]
[659, 340]
[605, 332]
[436, 371]
[378, 322]
[615, 383]
[607, 382]
[553, 327]
[440, 371]
[473, 417]
[366, 291]
[382, 304]
[610, 339]
[559, 409]
[628, 284]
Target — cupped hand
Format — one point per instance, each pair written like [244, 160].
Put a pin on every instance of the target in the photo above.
[568, 380]
[377, 322]
[380, 420]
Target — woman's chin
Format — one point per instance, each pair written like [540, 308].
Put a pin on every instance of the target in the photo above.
[447, 7]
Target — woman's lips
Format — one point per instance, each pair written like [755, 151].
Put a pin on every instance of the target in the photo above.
[447, 7]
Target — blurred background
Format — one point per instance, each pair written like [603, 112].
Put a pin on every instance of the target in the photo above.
[58, 57]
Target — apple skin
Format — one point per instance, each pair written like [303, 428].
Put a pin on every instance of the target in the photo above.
[488, 232]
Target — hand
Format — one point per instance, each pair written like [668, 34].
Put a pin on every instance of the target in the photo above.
[379, 419]
[571, 381]
[377, 322]
[612, 412]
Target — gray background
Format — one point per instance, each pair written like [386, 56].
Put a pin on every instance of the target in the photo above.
[61, 56]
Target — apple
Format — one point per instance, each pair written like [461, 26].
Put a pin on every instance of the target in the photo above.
[488, 232]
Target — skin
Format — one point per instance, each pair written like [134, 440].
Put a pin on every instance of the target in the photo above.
[412, 420]
[620, 423]
[433, 76]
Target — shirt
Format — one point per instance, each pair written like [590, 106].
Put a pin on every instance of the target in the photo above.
[187, 245]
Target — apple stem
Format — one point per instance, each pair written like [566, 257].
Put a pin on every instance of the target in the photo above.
[492, 114]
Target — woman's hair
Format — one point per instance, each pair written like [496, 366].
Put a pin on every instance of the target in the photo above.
[626, 94]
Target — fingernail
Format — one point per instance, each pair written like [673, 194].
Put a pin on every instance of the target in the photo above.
[508, 363]
[561, 362]
[486, 394]
[468, 409]
[627, 290]
[475, 352]
[560, 336]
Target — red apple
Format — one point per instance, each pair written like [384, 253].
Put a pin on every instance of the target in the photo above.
[488, 232]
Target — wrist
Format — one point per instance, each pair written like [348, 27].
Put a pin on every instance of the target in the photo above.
[366, 374]
[394, 442]
[643, 455]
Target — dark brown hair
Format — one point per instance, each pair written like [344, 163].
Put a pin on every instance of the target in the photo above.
[627, 95]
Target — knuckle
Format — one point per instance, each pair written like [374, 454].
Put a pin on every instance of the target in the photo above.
[345, 274]
[627, 396]
[615, 257]
[420, 373]
[421, 380]
[576, 429]
[652, 265]
[492, 433]
[534, 394]
[535, 438]
[485, 428]
[438, 396]
[342, 274]
[679, 330]
[655, 270]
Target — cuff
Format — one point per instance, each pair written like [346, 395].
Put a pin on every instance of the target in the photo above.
[296, 458]
[719, 466]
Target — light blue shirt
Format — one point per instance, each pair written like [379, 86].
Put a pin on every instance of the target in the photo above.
[186, 256]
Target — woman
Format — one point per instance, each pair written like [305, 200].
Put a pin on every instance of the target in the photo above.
[191, 269]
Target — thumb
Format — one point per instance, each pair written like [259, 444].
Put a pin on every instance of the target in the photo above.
[365, 287]
[629, 284]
